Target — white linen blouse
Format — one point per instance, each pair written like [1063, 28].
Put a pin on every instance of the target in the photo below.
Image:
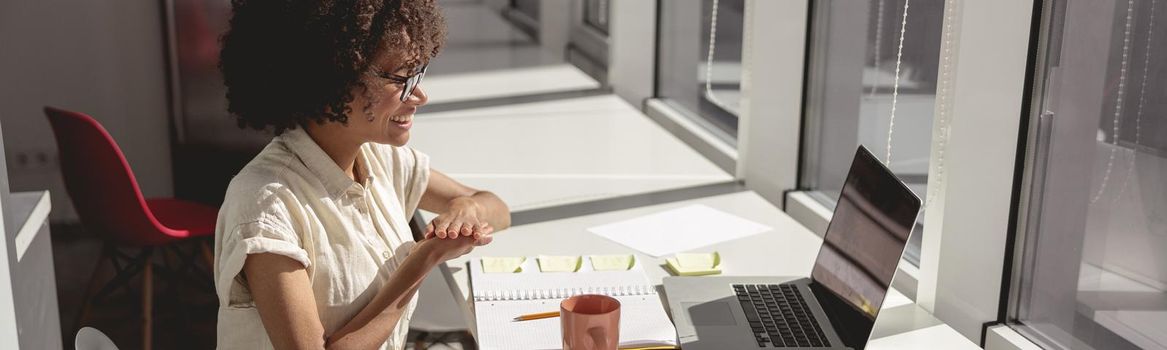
[293, 200]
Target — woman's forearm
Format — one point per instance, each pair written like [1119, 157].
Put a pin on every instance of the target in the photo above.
[375, 323]
[495, 210]
[462, 210]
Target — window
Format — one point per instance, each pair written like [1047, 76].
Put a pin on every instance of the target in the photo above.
[588, 44]
[529, 8]
[525, 15]
[700, 73]
[596, 15]
[856, 59]
[1092, 266]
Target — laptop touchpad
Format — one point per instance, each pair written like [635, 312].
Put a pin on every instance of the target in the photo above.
[714, 313]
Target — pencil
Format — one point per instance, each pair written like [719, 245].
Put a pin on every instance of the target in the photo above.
[537, 316]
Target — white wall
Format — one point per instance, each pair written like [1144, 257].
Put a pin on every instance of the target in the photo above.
[101, 57]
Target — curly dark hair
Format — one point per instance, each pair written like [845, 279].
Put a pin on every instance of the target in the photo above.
[288, 62]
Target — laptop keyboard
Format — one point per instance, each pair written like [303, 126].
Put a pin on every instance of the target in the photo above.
[779, 316]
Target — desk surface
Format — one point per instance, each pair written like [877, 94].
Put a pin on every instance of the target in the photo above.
[789, 249]
[538, 165]
[27, 211]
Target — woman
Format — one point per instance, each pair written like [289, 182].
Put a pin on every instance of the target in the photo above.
[312, 246]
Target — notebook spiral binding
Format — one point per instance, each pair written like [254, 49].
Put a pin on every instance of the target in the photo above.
[560, 293]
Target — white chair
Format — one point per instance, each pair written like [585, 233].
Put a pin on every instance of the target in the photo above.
[89, 338]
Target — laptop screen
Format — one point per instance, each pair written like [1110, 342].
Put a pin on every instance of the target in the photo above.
[866, 236]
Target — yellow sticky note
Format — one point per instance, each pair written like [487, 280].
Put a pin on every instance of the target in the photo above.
[559, 263]
[612, 262]
[503, 264]
[698, 260]
[694, 264]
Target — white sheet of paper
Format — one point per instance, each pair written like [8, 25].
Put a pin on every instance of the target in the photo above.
[678, 230]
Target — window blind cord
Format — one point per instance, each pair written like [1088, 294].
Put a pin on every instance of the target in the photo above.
[1126, 46]
[603, 12]
[1139, 115]
[942, 103]
[895, 89]
[709, 58]
[878, 46]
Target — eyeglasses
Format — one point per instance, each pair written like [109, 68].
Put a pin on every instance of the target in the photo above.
[408, 83]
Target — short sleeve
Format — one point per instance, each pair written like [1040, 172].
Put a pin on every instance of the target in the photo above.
[255, 219]
[254, 238]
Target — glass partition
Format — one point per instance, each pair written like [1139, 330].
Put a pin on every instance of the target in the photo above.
[871, 60]
[699, 69]
[1092, 266]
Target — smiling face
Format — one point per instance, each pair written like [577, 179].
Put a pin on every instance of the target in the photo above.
[377, 113]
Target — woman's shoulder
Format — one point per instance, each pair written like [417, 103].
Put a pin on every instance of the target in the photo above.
[262, 188]
[266, 172]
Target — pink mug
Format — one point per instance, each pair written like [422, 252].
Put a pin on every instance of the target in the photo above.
[590, 322]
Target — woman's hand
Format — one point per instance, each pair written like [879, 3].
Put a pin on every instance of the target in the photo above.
[438, 251]
[463, 219]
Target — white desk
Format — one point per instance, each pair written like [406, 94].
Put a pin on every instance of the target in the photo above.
[556, 156]
[30, 267]
[787, 250]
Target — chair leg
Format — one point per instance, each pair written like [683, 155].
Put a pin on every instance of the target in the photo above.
[147, 304]
[208, 255]
[91, 288]
[123, 275]
[203, 279]
[420, 342]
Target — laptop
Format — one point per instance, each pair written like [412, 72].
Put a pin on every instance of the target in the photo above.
[835, 308]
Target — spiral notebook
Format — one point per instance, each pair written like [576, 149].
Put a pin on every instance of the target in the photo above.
[500, 297]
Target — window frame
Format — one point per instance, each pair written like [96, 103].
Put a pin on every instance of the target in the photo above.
[1036, 151]
[773, 90]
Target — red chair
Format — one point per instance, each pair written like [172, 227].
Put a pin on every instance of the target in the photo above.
[110, 205]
